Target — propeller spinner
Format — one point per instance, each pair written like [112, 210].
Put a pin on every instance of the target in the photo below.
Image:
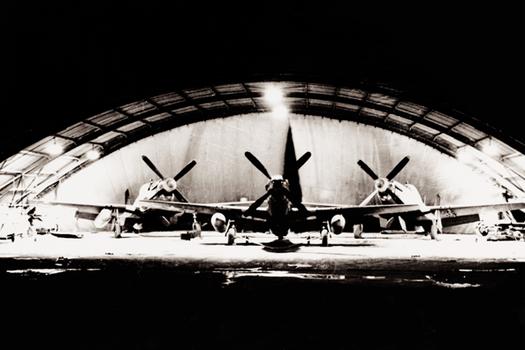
[257, 163]
[382, 184]
[170, 184]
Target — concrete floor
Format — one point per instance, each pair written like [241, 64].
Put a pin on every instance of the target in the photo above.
[212, 247]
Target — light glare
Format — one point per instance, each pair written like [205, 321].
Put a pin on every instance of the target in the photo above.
[280, 112]
[273, 95]
[55, 149]
[93, 154]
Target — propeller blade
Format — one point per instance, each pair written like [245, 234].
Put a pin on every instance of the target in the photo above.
[126, 196]
[257, 164]
[179, 196]
[397, 168]
[368, 199]
[257, 203]
[152, 166]
[304, 158]
[185, 170]
[367, 170]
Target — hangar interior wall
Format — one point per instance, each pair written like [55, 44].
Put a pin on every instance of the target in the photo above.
[223, 173]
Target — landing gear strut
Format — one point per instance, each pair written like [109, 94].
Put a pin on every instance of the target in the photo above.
[324, 236]
[231, 234]
[358, 231]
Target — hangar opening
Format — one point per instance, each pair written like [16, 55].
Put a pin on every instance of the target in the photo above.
[352, 137]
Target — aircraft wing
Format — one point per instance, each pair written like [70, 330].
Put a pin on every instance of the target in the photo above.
[323, 212]
[232, 209]
[355, 212]
[87, 211]
[460, 214]
[86, 206]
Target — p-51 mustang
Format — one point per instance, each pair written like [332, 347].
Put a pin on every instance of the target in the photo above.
[284, 212]
[135, 217]
[430, 219]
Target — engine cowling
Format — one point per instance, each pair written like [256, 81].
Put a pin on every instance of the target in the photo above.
[103, 218]
[219, 222]
[338, 224]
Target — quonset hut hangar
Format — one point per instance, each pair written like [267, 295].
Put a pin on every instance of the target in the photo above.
[454, 158]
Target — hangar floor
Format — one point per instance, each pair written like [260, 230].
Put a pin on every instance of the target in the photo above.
[156, 291]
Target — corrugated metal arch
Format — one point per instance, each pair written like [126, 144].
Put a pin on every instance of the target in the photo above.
[34, 170]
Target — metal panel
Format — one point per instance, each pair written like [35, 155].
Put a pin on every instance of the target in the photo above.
[411, 108]
[450, 139]
[108, 118]
[199, 93]
[138, 108]
[107, 137]
[354, 94]
[321, 89]
[469, 131]
[183, 110]
[132, 126]
[425, 129]
[382, 100]
[168, 99]
[78, 130]
[347, 107]
[213, 105]
[441, 119]
[230, 89]
[401, 120]
[158, 117]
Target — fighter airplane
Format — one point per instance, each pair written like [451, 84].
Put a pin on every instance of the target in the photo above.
[431, 219]
[284, 212]
[136, 217]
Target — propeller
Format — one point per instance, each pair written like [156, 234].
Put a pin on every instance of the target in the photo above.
[402, 163]
[185, 170]
[257, 164]
[152, 166]
[304, 158]
[179, 196]
[295, 201]
[257, 203]
[367, 170]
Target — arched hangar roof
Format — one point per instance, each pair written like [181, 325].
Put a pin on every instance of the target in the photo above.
[34, 170]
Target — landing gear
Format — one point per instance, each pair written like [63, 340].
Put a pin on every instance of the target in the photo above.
[118, 230]
[358, 231]
[324, 236]
[231, 234]
[196, 227]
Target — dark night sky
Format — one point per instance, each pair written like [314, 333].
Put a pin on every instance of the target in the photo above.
[69, 61]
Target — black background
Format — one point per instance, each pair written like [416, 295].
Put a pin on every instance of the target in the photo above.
[66, 61]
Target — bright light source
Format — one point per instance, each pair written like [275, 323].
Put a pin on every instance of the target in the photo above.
[465, 155]
[55, 149]
[490, 149]
[280, 112]
[93, 154]
[273, 95]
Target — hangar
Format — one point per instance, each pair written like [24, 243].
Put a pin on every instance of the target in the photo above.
[95, 88]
